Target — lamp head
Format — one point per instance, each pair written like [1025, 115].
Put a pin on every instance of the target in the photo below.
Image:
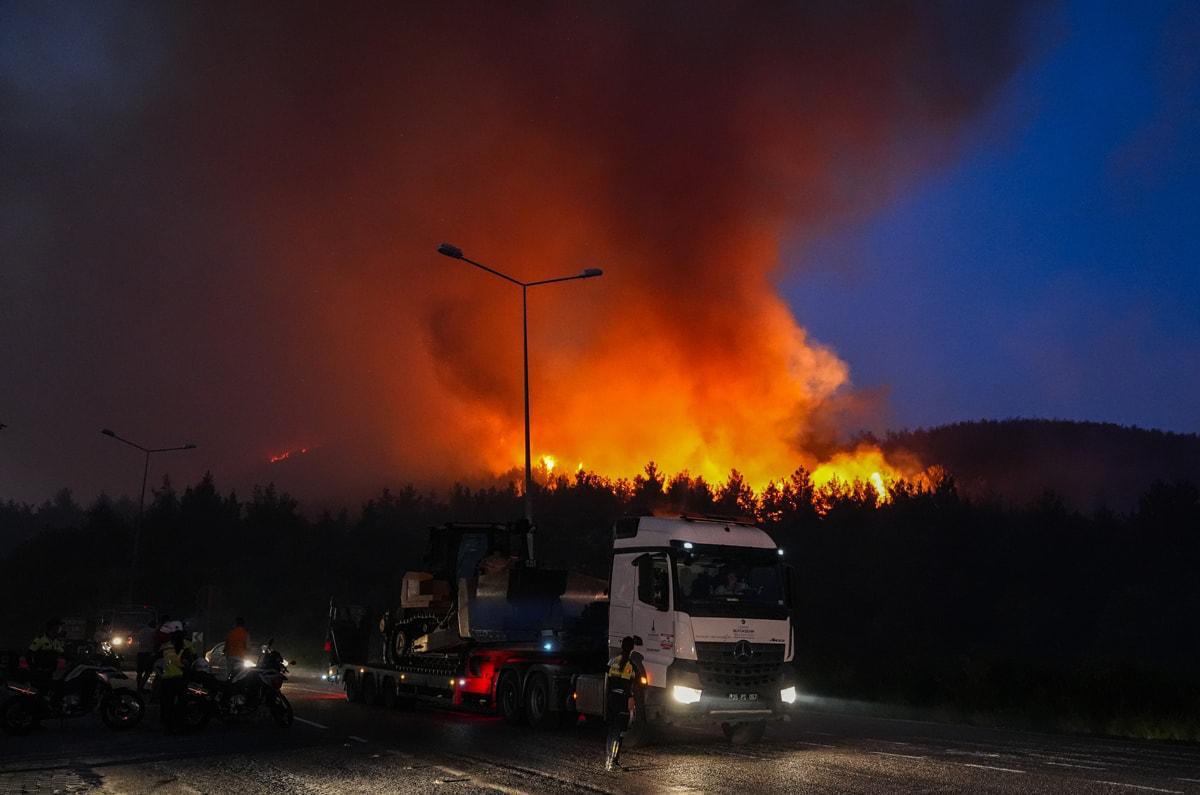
[589, 273]
[448, 250]
[107, 432]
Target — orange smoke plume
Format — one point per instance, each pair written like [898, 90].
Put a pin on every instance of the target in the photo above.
[679, 147]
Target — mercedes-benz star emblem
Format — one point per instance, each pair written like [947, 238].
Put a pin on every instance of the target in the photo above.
[742, 651]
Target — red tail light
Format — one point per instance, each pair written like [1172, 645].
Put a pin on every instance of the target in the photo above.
[328, 646]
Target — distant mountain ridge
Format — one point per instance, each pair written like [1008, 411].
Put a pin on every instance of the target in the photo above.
[1090, 464]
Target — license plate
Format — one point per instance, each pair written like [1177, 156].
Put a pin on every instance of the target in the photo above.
[743, 696]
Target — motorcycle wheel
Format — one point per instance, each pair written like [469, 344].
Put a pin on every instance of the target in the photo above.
[281, 711]
[122, 709]
[195, 713]
[19, 716]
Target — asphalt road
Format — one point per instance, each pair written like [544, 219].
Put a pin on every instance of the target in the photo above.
[336, 747]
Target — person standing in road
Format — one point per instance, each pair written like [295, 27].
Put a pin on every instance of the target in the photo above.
[172, 680]
[46, 650]
[145, 652]
[623, 681]
[237, 643]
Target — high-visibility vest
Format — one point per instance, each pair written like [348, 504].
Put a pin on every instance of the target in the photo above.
[617, 671]
[172, 663]
[46, 643]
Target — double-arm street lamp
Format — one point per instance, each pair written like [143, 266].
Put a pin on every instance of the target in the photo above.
[455, 252]
[137, 533]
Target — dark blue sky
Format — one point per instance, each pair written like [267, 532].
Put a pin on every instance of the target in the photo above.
[1052, 266]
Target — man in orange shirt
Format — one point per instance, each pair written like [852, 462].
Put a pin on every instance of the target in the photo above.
[237, 642]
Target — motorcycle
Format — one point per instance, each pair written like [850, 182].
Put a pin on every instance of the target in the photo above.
[85, 686]
[241, 697]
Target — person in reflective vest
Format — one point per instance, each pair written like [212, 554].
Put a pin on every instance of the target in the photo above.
[46, 650]
[624, 678]
[172, 679]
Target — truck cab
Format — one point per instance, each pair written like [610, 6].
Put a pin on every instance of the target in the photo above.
[708, 597]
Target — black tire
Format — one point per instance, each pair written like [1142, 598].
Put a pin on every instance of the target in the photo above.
[508, 698]
[744, 733]
[538, 709]
[122, 709]
[640, 733]
[370, 690]
[281, 711]
[19, 716]
[195, 712]
[387, 692]
[351, 684]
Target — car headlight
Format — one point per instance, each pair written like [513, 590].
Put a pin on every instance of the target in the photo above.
[685, 695]
[117, 640]
[788, 695]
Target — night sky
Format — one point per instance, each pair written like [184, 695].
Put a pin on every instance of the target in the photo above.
[218, 225]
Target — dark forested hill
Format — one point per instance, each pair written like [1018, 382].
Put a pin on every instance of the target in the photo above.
[1090, 464]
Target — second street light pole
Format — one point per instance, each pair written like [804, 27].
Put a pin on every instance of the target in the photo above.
[137, 532]
[454, 252]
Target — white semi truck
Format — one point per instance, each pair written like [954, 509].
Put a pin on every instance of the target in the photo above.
[707, 597]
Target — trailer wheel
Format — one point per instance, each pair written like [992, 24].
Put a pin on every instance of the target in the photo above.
[370, 690]
[387, 692]
[508, 697]
[350, 682]
[744, 733]
[537, 703]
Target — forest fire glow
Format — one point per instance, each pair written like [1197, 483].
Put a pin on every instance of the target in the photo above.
[699, 181]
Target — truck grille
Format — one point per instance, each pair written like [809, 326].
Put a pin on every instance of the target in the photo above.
[721, 667]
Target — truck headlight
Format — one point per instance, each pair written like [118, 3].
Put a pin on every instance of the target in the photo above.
[685, 695]
[788, 695]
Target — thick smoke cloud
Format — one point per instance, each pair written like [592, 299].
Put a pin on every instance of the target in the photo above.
[221, 221]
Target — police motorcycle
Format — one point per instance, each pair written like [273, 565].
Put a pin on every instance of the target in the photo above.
[90, 682]
[241, 697]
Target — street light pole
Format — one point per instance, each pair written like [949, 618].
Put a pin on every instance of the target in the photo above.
[137, 533]
[454, 252]
[525, 351]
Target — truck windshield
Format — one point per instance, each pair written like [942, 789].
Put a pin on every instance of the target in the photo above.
[730, 581]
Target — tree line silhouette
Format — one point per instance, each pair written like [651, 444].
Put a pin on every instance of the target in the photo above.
[1038, 614]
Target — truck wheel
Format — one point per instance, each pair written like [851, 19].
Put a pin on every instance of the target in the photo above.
[537, 703]
[639, 734]
[353, 689]
[370, 690]
[508, 697]
[744, 733]
[387, 692]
